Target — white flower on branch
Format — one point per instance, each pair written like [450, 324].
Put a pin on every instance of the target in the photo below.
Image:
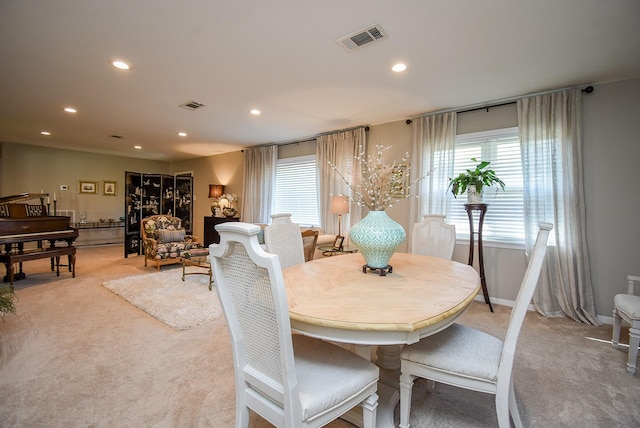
[380, 184]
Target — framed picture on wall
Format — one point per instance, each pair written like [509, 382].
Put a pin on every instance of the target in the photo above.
[109, 188]
[400, 181]
[88, 187]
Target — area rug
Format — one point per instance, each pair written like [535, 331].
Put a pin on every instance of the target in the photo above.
[163, 295]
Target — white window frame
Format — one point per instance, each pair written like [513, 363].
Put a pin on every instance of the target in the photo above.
[504, 220]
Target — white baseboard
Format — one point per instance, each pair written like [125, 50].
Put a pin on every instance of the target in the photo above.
[480, 298]
[605, 320]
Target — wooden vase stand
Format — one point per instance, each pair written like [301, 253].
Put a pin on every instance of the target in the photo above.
[382, 271]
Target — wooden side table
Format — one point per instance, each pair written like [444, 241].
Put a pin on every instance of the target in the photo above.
[211, 235]
[329, 250]
[482, 208]
[200, 261]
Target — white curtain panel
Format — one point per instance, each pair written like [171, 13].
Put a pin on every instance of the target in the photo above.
[550, 134]
[433, 152]
[339, 149]
[259, 183]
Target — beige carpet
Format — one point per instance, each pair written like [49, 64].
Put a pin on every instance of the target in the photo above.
[77, 355]
[164, 295]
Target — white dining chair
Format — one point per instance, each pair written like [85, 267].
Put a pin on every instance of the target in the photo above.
[433, 237]
[284, 238]
[291, 381]
[468, 358]
[627, 307]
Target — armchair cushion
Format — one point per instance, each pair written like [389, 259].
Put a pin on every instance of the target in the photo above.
[151, 225]
[171, 235]
[629, 304]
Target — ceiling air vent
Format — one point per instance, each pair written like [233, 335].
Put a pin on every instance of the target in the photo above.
[373, 33]
[192, 105]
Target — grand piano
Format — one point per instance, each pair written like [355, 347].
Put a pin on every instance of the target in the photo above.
[24, 223]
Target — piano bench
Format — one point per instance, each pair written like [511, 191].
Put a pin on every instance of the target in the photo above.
[9, 259]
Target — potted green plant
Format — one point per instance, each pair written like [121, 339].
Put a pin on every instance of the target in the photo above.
[474, 180]
[6, 301]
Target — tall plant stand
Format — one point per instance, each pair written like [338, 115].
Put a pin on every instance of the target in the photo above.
[482, 208]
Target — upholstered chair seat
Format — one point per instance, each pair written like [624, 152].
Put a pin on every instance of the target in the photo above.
[627, 307]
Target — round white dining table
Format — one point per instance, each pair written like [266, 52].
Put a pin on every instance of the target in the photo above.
[332, 299]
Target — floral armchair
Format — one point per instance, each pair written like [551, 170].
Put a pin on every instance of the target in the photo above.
[164, 240]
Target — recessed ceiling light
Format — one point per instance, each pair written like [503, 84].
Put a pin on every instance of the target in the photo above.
[399, 67]
[45, 132]
[137, 147]
[255, 112]
[182, 134]
[70, 110]
[121, 65]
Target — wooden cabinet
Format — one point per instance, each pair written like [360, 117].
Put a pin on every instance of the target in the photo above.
[211, 235]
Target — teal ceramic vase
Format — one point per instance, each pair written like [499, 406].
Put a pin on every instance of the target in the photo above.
[377, 236]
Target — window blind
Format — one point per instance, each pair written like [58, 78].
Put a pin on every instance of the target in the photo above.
[504, 221]
[296, 189]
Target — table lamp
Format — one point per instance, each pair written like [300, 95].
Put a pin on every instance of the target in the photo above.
[215, 191]
[339, 205]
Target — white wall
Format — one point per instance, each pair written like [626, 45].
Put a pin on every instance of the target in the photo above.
[611, 118]
[29, 169]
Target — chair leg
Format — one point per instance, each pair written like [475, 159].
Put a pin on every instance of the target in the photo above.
[369, 411]
[634, 341]
[513, 407]
[502, 408]
[242, 417]
[615, 337]
[406, 388]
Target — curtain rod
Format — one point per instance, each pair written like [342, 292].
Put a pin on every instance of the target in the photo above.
[495, 103]
[307, 139]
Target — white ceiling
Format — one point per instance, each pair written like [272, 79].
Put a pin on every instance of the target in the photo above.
[281, 56]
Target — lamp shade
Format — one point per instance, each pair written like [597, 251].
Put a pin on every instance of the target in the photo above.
[216, 190]
[339, 204]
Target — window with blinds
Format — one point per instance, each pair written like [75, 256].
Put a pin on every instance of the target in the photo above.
[504, 221]
[297, 189]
